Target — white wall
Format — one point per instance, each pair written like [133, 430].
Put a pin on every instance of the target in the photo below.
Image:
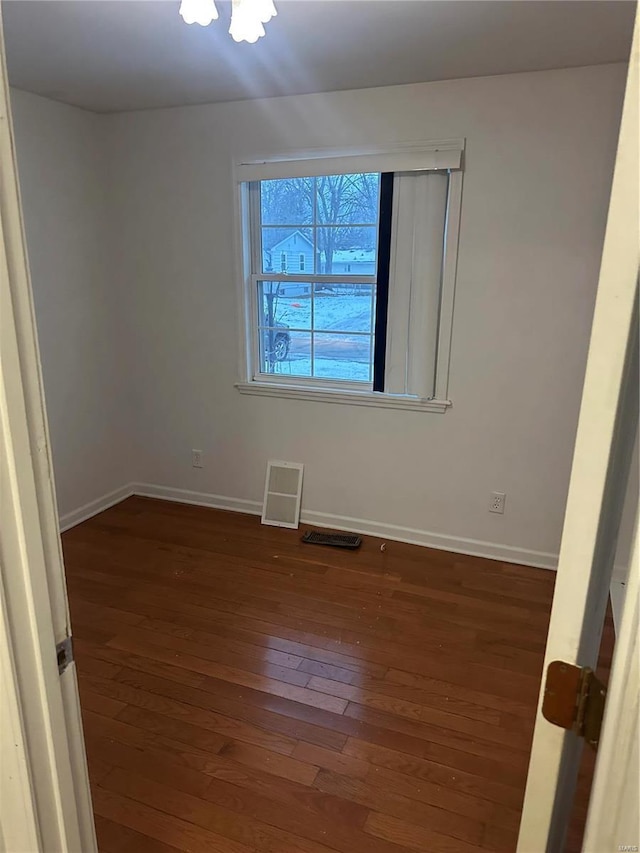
[130, 232]
[540, 152]
[64, 184]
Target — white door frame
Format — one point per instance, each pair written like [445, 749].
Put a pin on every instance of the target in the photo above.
[45, 802]
[602, 458]
[613, 821]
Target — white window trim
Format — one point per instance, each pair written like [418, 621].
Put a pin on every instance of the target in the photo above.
[421, 156]
[433, 155]
[291, 391]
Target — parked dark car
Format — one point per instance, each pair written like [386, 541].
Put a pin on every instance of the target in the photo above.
[277, 342]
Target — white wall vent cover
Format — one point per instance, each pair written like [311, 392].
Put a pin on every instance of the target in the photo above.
[282, 494]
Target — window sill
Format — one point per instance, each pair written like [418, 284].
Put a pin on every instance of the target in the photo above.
[350, 398]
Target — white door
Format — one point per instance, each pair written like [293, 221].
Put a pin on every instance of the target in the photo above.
[606, 431]
[45, 801]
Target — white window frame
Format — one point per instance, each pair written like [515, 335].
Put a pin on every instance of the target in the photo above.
[437, 156]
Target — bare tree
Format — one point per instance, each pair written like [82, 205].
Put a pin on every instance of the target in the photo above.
[341, 200]
[333, 203]
[344, 211]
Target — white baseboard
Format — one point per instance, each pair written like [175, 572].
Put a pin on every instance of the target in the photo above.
[393, 532]
[457, 544]
[70, 519]
[472, 547]
[185, 496]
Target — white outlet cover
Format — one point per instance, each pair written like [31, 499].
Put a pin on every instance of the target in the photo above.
[497, 502]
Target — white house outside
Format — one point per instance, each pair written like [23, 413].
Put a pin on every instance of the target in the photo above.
[354, 262]
[294, 254]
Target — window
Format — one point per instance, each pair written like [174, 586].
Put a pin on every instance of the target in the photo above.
[367, 316]
[327, 333]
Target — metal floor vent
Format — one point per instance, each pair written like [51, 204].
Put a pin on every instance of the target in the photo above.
[282, 494]
[338, 540]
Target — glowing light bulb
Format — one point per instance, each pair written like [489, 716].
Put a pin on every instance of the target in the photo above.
[245, 23]
[265, 10]
[198, 12]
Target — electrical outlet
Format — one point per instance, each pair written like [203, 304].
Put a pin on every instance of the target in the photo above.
[197, 459]
[496, 502]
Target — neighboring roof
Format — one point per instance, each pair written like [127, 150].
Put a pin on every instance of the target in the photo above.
[344, 256]
[355, 256]
[288, 237]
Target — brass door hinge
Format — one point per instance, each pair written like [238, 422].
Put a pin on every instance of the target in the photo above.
[574, 699]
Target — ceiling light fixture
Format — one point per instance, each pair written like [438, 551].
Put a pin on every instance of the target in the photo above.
[247, 16]
[198, 12]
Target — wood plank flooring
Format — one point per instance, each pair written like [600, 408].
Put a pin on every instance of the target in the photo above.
[244, 692]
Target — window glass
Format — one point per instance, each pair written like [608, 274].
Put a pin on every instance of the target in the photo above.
[322, 327]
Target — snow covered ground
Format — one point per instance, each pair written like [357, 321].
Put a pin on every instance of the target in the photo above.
[324, 352]
[345, 312]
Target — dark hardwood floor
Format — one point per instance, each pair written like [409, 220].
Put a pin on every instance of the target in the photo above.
[244, 692]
